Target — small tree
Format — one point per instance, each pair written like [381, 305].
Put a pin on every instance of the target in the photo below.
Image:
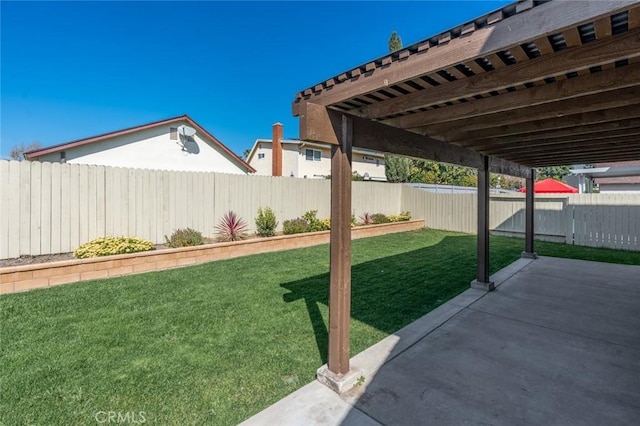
[556, 172]
[266, 222]
[397, 169]
[17, 151]
[395, 42]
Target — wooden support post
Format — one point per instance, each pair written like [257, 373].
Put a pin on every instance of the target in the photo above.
[529, 252]
[340, 248]
[482, 280]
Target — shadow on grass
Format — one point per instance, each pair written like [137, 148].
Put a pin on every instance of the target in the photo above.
[391, 292]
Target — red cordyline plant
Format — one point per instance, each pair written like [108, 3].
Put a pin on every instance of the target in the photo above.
[231, 228]
[367, 219]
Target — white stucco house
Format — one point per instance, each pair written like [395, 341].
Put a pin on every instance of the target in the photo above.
[177, 143]
[311, 160]
[621, 177]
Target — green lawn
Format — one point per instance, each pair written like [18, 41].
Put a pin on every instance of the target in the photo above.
[218, 342]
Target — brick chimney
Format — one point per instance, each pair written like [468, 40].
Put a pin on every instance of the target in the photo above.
[276, 150]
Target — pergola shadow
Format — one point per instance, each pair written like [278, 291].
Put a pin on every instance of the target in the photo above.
[394, 291]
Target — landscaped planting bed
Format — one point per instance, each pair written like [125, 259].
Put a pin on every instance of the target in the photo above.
[28, 277]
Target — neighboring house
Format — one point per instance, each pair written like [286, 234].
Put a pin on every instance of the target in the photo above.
[177, 143]
[622, 177]
[620, 184]
[295, 158]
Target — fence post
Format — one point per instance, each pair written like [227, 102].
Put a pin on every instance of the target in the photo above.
[569, 222]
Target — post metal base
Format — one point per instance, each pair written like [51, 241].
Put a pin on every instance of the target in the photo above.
[489, 286]
[527, 255]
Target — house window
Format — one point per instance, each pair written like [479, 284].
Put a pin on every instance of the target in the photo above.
[312, 155]
[63, 157]
[260, 156]
[173, 133]
[377, 162]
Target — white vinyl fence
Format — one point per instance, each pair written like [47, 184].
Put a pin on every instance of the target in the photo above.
[53, 208]
[604, 220]
[596, 220]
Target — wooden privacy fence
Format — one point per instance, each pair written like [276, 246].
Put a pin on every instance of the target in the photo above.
[53, 208]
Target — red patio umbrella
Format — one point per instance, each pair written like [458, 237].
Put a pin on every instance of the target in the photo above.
[551, 186]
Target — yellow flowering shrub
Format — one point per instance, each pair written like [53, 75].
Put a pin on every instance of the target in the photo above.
[402, 217]
[107, 246]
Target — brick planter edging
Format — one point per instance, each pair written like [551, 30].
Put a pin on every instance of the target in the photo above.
[27, 277]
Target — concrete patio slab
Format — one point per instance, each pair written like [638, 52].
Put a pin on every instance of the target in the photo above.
[314, 404]
[558, 342]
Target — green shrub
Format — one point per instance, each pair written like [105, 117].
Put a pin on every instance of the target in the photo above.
[107, 246]
[325, 224]
[231, 228]
[309, 222]
[314, 223]
[379, 218]
[374, 219]
[184, 238]
[266, 223]
[295, 226]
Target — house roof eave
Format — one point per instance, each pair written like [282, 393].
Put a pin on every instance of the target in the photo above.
[36, 153]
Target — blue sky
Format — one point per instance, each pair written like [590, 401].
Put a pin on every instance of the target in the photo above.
[71, 70]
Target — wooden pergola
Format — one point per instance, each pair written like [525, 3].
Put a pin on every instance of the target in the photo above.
[530, 85]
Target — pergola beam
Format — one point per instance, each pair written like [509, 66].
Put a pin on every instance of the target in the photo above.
[581, 134]
[567, 122]
[320, 124]
[587, 158]
[624, 151]
[585, 104]
[603, 142]
[590, 84]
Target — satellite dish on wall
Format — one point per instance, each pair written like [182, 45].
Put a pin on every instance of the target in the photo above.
[186, 130]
